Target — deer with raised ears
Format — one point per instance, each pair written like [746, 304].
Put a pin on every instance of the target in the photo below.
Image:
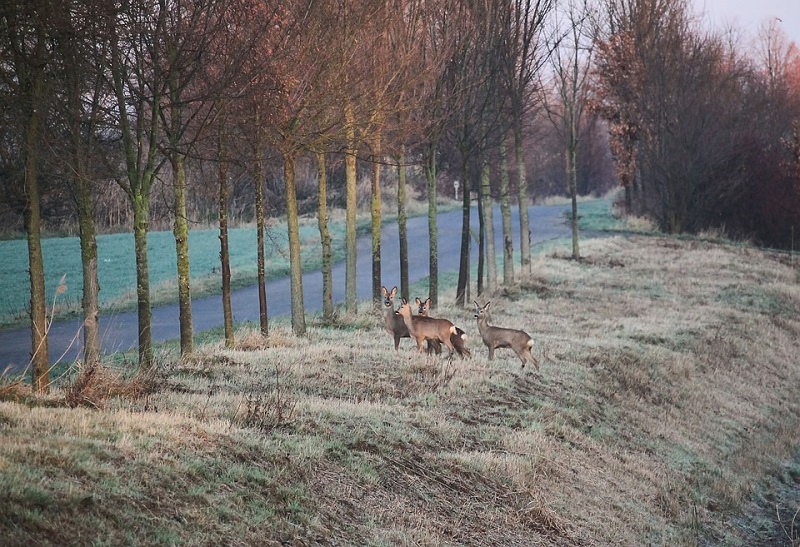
[427, 328]
[459, 339]
[498, 337]
[394, 323]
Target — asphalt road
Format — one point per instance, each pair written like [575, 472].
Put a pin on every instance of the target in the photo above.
[119, 331]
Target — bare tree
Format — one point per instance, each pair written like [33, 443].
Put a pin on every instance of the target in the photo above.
[28, 53]
[571, 61]
[138, 82]
[191, 28]
[82, 64]
[523, 59]
[476, 87]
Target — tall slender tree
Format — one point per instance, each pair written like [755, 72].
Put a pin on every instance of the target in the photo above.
[571, 62]
[138, 82]
[522, 60]
[29, 54]
[505, 208]
[82, 64]
[325, 238]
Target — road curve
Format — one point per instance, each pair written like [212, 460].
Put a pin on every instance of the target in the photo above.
[119, 330]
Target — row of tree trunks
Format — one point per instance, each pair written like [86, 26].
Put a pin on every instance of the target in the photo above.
[149, 76]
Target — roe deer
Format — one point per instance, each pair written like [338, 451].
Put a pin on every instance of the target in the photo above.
[427, 328]
[498, 337]
[394, 323]
[459, 339]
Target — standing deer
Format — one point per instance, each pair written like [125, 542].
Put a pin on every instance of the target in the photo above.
[394, 323]
[459, 339]
[498, 337]
[427, 328]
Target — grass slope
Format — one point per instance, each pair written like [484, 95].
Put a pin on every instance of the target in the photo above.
[666, 400]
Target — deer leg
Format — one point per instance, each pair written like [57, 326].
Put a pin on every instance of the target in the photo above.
[450, 347]
[396, 342]
[491, 352]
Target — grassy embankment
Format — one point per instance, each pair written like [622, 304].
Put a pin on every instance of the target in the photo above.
[667, 397]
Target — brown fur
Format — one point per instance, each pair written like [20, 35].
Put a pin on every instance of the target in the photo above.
[458, 339]
[498, 337]
[427, 328]
[392, 322]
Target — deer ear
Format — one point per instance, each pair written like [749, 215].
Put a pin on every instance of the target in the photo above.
[394, 291]
[486, 307]
[418, 301]
[384, 292]
[428, 301]
[403, 301]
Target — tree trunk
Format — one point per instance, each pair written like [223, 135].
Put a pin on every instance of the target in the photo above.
[402, 221]
[505, 212]
[325, 240]
[351, 295]
[522, 194]
[488, 221]
[433, 231]
[181, 232]
[572, 175]
[295, 261]
[481, 237]
[224, 253]
[141, 214]
[39, 354]
[91, 285]
[462, 286]
[376, 220]
[80, 154]
[262, 276]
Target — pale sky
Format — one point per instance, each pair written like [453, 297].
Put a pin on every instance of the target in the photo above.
[749, 15]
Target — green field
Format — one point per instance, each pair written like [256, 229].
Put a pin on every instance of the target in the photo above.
[117, 269]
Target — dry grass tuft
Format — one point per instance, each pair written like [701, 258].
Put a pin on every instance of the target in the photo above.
[14, 390]
[254, 340]
[96, 384]
[267, 407]
[542, 517]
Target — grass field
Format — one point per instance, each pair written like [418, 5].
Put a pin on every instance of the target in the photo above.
[117, 269]
[665, 412]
